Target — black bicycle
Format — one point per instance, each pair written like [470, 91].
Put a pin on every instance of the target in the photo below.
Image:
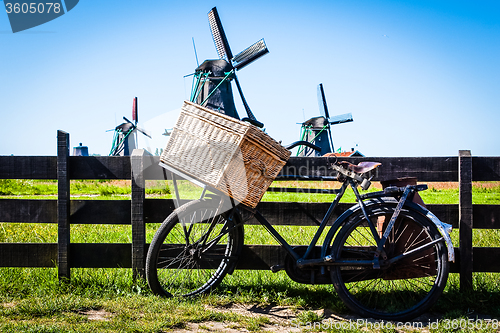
[386, 256]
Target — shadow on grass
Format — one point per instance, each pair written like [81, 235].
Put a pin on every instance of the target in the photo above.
[266, 289]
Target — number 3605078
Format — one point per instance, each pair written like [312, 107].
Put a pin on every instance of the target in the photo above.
[33, 8]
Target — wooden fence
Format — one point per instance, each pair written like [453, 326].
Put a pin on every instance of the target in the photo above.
[139, 210]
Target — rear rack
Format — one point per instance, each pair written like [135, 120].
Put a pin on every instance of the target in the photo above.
[392, 191]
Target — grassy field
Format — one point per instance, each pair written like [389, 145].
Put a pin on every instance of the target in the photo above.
[108, 300]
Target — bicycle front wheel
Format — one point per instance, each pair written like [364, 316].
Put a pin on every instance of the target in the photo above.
[407, 283]
[192, 251]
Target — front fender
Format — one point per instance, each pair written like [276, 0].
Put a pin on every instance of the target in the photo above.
[443, 228]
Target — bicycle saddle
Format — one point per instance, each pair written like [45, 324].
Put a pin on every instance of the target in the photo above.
[361, 167]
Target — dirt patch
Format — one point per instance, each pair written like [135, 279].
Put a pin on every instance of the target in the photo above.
[97, 314]
[276, 314]
[284, 319]
[9, 305]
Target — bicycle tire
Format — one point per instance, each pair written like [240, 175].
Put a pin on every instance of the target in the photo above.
[399, 291]
[180, 264]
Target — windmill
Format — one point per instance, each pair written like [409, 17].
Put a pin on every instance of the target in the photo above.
[125, 136]
[317, 129]
[212, 83]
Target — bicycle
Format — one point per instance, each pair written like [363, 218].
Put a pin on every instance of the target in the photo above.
[387, 257]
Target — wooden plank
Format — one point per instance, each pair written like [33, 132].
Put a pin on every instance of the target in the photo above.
[100, 167]
[101, 255]
[486, 168]
[100, 212]
[28, 167]
[465, 219]
[486, 216]
[297, 213]
[261, 257]
[156, 210]
[116, 255]
[455, 266]
[445, 213]
[92, 255]
[82, 211]
[486, 259]
[118, 167]
[426, 169]
[277, 213]
[28, 255]
[137, 213]
[63, 205]
[28, 211]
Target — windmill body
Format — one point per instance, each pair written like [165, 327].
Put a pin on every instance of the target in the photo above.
[125, 137]
[222, 98]
[317, 130]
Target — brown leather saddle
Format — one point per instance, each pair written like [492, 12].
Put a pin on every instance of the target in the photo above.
[361, 167]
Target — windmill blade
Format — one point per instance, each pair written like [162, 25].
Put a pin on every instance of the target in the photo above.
[135, 110]
[343, 118]
[323, 108]
[250, 54]
[134, 127]
[219, 36]
[247, 108]
[143, 131]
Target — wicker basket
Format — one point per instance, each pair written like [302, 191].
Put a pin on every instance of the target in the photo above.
[229, 155]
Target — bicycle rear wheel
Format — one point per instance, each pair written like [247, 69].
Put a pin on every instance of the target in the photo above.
[400, 290]
[193, 250]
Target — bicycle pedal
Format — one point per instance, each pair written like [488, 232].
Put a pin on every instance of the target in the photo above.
[277, 268]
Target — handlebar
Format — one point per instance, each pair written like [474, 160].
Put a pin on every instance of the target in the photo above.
[254, 122]
[302, 143]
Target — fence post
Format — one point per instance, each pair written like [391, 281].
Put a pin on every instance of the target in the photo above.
[137, 209]
[465, 219]
[63, 208]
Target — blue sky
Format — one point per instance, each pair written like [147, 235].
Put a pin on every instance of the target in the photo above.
[421, 78]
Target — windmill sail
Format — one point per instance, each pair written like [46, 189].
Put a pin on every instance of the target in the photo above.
[219, 36]
[241, 60]
[323, 108]
[341, 118]
[250, 54]
[135, 110]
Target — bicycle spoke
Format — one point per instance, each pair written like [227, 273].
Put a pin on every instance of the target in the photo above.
[408, 280]
[193, 250]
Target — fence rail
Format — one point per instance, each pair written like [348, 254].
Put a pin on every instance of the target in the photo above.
[139, 210]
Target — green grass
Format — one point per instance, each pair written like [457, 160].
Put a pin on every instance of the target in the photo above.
[33, 300]
[86, 188]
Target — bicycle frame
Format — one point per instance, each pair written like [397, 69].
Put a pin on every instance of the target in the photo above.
[306, 260]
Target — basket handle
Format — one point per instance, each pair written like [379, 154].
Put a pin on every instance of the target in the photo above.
[258, 166]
